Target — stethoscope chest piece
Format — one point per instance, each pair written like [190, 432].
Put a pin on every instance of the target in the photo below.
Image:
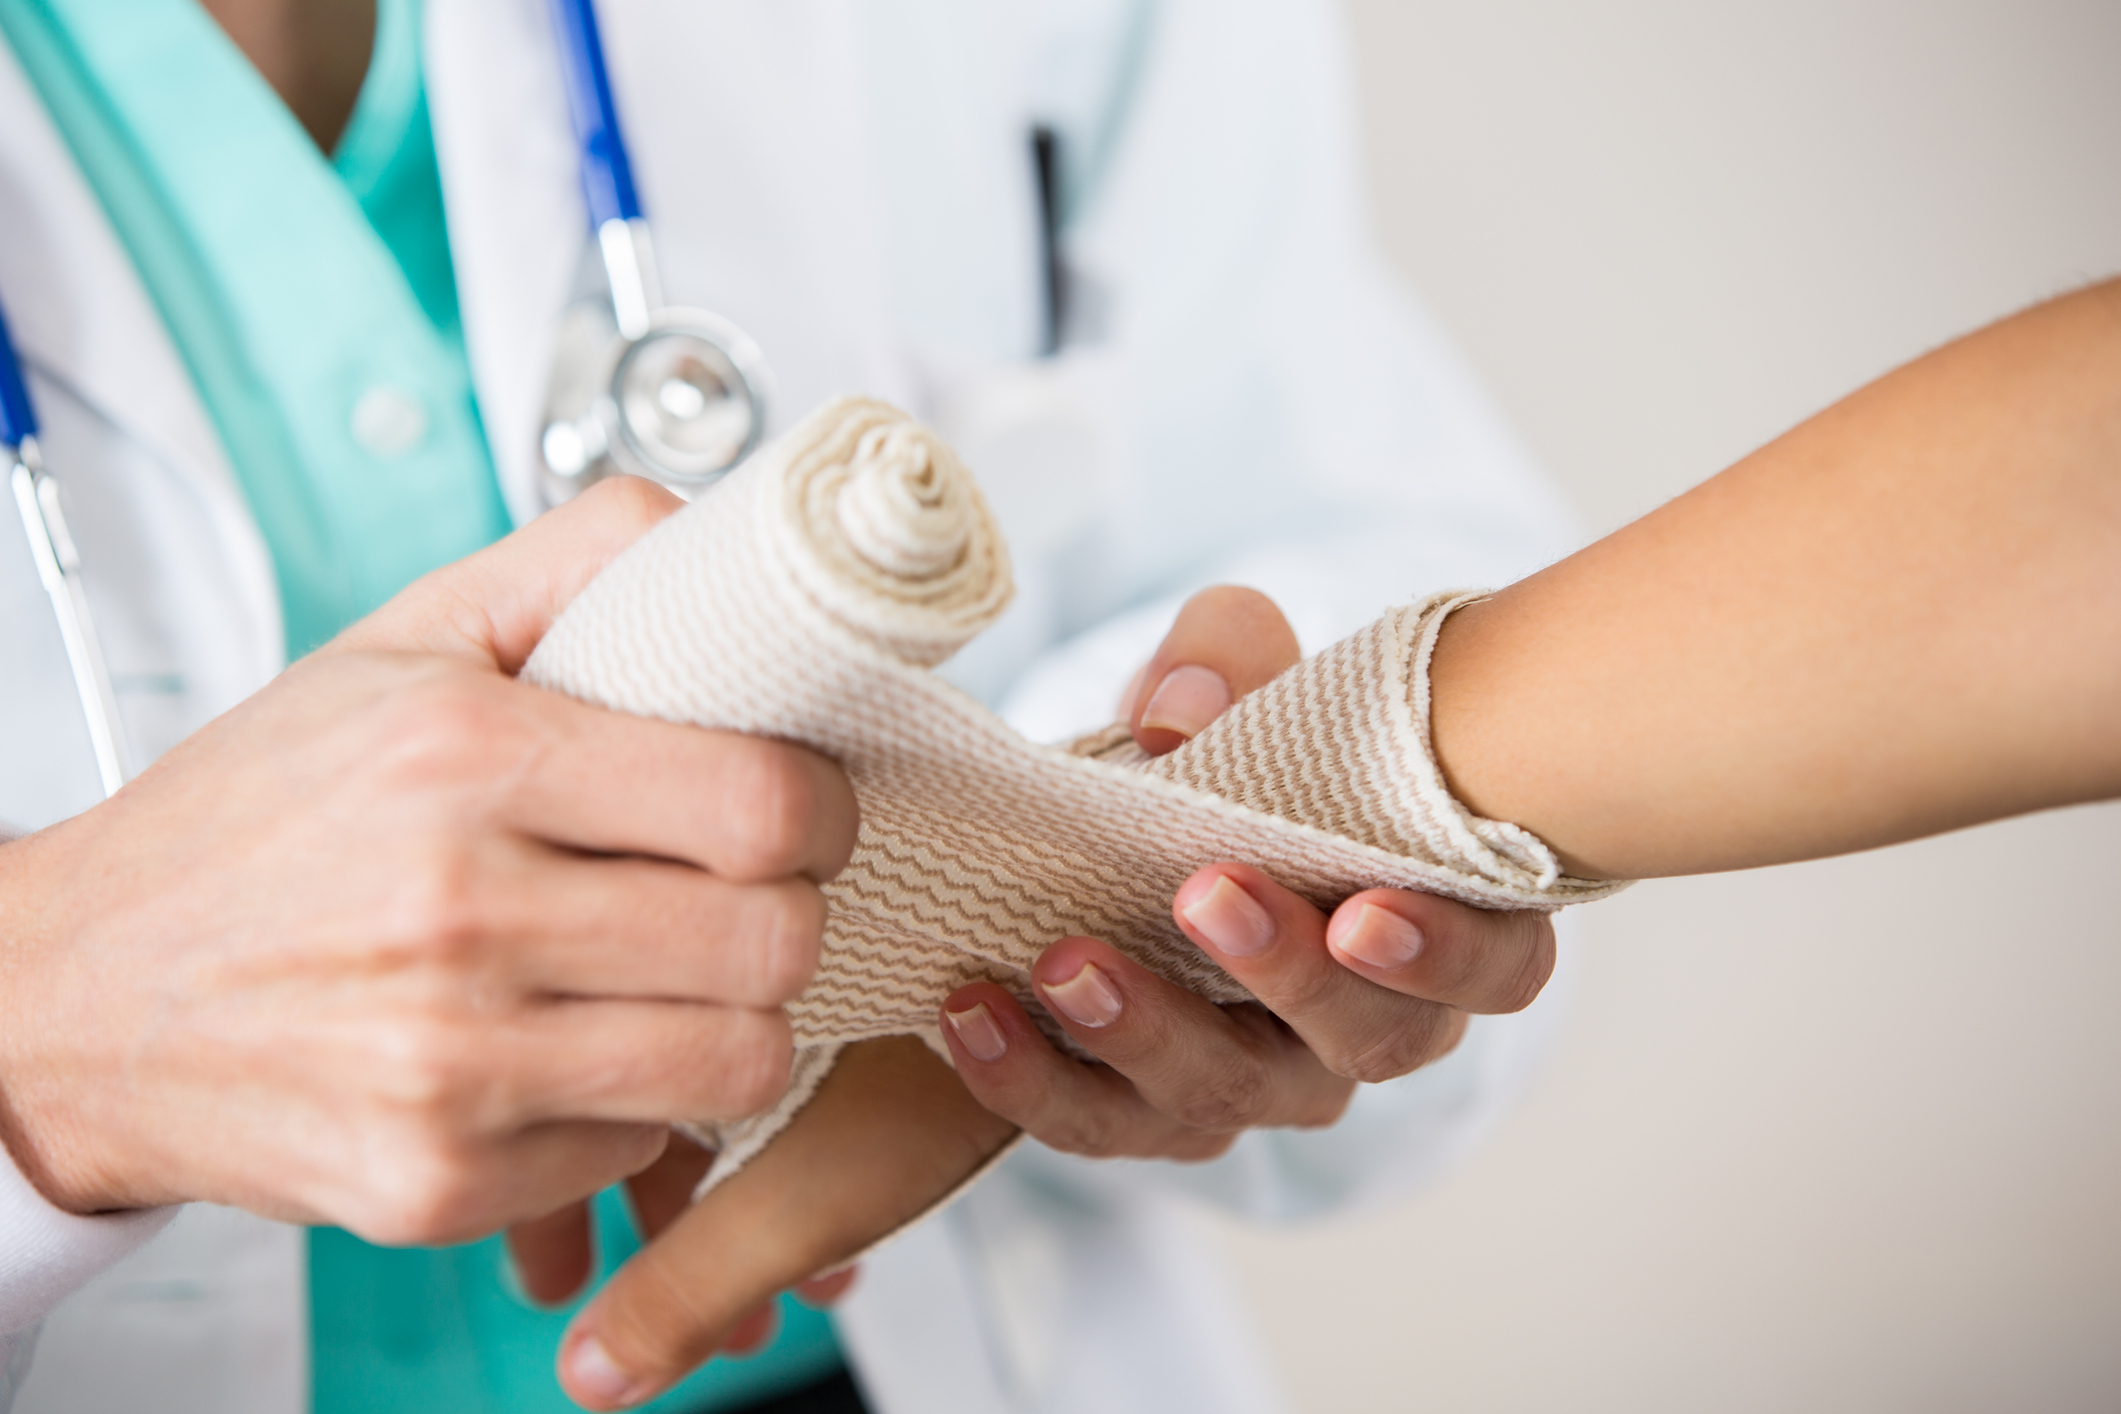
[683, 402]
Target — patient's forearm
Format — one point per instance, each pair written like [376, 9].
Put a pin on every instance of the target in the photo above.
[1901, 617]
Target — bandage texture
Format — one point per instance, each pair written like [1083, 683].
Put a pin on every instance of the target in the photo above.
[807, 597]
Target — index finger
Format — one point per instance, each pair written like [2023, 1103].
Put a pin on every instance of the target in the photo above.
[1424, 946]
[1275, 943]
[745, 808]
[1417, 945]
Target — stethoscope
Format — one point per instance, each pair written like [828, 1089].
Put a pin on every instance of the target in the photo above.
[639, 387]
[58, 560]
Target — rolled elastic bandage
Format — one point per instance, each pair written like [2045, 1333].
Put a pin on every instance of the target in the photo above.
[808, 596]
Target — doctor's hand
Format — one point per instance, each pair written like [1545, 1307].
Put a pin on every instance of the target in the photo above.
[404, 945]
[1379, 989]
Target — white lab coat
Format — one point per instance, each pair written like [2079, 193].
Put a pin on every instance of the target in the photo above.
[1246, 397]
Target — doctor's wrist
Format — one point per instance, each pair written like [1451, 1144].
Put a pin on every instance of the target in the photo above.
[46, 1123]
[46, 1253]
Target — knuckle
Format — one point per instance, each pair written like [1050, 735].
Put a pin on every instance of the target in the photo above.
[442, 730]
[1311, 990]
[1235, 1098]
[424, 1066]
[1400, 1050]
[424, 1193]
[1464, 940]
[1535, 967]
[752, 1055]
[772, 798]
[1201, 1148]
[630, 505]
[786, 940]
[1087, 1133]
[1083, 1139]
[1326, 1110]
[439, 913]
[634, 1147]
[1494, 962]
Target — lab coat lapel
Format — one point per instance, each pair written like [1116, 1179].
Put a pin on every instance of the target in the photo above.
[517, 224]
[80, 314]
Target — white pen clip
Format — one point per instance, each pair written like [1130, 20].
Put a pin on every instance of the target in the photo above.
[58, 560]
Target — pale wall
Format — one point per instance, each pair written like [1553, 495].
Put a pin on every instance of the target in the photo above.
[1845, 1136]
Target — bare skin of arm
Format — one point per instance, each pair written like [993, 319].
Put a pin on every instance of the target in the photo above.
[1900, 618]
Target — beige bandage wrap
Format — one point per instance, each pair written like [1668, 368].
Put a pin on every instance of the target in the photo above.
[807, 596]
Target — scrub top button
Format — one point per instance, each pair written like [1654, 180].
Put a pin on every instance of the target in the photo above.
[389, 422]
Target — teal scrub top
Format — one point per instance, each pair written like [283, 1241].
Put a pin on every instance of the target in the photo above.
[314, 304]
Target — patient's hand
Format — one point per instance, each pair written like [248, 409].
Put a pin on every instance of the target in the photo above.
[889, 1134]
[894, 1130]
[1181, 1077]
[1381, 989]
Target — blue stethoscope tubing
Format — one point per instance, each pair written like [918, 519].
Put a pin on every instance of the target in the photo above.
[607, 168]
[680, 394]
[36, 494]
[607, 172]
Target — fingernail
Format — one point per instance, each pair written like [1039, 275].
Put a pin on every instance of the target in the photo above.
[1377, 936]
[591, 1370]
[1232, 919]
[1087, 999]
[976, 1028]
[1187, 700]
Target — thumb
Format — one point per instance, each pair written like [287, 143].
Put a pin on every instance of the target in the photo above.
[890, 1132]
[494, 606]
[1226, 642]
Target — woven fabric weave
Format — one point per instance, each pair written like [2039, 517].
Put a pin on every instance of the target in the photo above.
[806, 598]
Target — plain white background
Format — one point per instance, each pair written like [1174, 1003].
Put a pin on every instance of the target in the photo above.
[1843, 1136]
